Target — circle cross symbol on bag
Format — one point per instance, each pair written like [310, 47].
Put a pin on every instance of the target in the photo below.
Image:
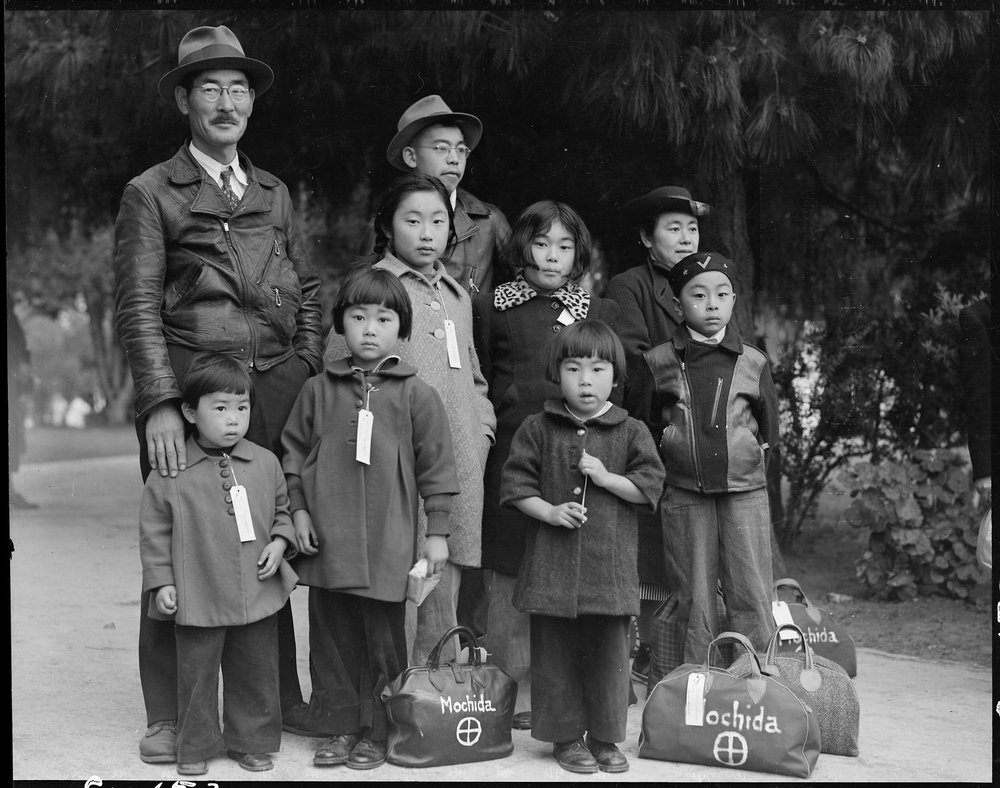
[731, 749]
[468, 731]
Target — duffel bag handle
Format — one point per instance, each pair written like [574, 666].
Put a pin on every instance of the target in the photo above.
[787, 582]
[742, 640]
[772, 644]
[434, 658]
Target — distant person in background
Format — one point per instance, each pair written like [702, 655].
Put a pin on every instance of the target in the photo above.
[975, 353]
[19, 387]
[209, 256]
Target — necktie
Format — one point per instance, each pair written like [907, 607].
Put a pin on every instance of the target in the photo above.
[227, 189]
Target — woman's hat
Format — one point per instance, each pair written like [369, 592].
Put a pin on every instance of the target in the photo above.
[430, 111]
[206, 48]
[664, 200]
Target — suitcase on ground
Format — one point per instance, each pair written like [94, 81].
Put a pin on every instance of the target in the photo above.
[825, 634]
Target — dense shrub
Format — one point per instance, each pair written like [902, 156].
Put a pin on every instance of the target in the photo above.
[922, 524]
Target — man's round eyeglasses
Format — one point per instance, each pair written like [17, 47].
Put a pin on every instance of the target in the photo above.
[443, 150]
[212, 93]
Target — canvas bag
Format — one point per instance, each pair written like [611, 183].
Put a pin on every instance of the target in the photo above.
[456, 712]
[827, 637]
[707, 715]
[828, 690]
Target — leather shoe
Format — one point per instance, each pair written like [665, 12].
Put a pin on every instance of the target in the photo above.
[574, 757]
[159, 745]
[609, 758]
[193, 768]
[251, 761]
[367, 754]
[297, 720]
[335, 751]
[522, 721]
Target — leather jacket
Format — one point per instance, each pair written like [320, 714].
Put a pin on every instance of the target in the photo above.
[190, 273]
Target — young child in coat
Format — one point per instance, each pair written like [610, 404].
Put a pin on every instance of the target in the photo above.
[580, 469]
[514, 325]
[414, 232]
[213, 541]
[721, 415]
[366, 441]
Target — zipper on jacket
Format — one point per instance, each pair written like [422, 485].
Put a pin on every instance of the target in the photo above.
[277, 300]
[715, 405]
[244, 296]
[267, 265]
[691, 436]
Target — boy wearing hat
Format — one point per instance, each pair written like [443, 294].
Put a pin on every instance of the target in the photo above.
[721, 417]
[433, 140]
[208, 256]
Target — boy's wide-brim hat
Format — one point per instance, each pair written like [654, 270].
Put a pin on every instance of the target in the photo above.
[666, 199]
[430, 111]
[206, 48]
[698, 263]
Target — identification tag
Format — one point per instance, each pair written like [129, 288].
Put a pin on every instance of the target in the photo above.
[451, 338]
[364, 450]
[694, 704]
[782, 615]
[566, 318]
[244, 522]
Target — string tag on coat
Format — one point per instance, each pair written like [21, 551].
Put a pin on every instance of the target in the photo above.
[241, 507]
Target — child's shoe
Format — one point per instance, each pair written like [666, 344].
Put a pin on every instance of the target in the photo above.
[574, 757]
[609, 758]
[193, 768]
[251, 761]
[367, 754]
[335, 751]
[159, 745]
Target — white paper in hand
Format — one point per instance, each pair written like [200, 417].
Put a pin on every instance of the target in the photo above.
[418, 585]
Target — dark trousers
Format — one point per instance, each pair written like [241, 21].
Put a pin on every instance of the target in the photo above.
[248, 657]
[579, 677]
[274, 394]
[356, 646]
[473, 601]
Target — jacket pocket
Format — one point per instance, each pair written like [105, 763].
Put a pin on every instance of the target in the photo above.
[182, 290]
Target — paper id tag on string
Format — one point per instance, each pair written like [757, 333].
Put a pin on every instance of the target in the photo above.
[451, 338]
[244, 522]
[364, 450]
[565, 317]
[694, 704]
[782, 615]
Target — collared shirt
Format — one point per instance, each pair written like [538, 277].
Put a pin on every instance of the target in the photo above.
[454, 200]
[239, 180]
[715, 339]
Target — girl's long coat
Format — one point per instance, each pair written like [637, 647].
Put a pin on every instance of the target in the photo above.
[365, 516]
[592, 569]
[463, 392]
[188, 537]
[513, 346]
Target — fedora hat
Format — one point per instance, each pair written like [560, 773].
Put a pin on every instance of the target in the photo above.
[213, 47]
[430, 111]
[663, 200]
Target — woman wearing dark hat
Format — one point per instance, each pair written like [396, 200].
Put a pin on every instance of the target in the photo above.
[667, 220]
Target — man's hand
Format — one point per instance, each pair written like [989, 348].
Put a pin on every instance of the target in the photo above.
[271, 558]
[166, 600]
[305, 532]
[165, 439]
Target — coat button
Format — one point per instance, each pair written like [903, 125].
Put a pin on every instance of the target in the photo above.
[554, 304]
[435, 306]
[577, 490]
[556, 329]
[229, 499]
[439, 333]
[227, 485]
[224, 473]
[581, 431]
[358, 403]
[231, 510]
[223, 463]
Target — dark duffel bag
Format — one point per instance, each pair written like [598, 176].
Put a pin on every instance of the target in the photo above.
[456, 712]
[828, 637]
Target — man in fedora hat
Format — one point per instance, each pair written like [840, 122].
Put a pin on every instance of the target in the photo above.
[433, 140]
[667, 219]
[208, 256]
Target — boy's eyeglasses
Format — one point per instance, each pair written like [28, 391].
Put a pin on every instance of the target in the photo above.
[212, 93]
[443, 150]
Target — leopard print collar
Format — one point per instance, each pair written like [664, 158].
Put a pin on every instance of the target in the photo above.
[575, 298]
